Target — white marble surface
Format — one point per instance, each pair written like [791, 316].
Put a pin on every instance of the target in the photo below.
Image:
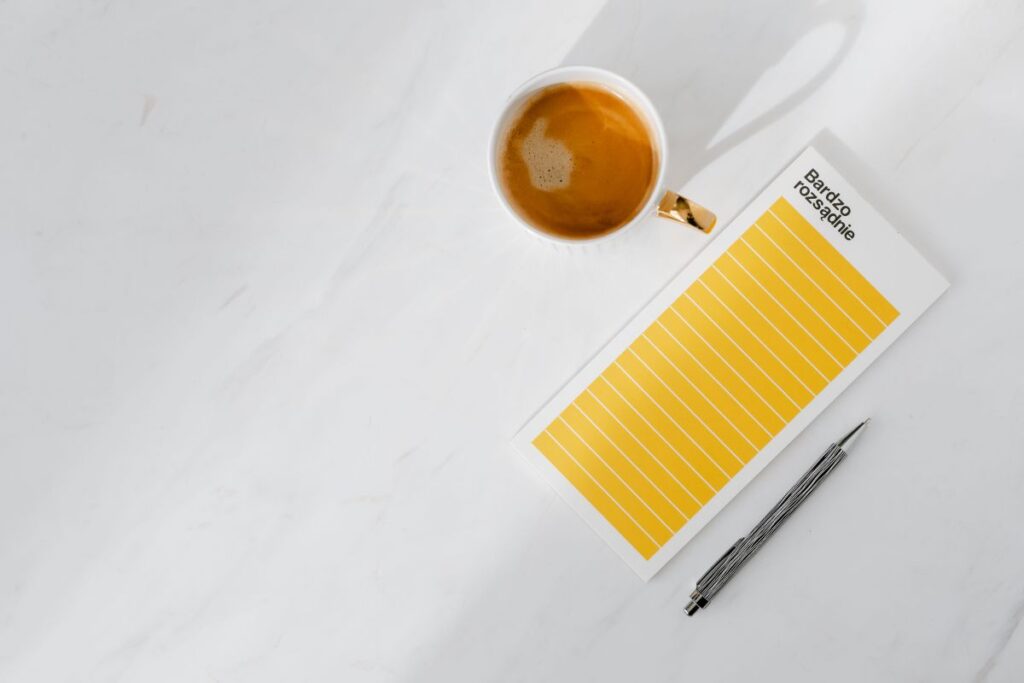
[266, 334]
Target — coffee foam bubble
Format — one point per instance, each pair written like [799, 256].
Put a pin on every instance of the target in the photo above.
[549, 161]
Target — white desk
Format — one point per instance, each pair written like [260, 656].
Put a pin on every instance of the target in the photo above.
[266, 334]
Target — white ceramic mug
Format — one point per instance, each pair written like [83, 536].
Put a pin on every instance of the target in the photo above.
[665, 202]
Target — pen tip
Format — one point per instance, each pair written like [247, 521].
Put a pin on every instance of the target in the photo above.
[848, 440]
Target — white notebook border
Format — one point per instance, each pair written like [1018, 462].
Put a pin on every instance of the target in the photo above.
[878, 251]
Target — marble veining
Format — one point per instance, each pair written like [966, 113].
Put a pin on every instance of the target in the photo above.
[267, 334]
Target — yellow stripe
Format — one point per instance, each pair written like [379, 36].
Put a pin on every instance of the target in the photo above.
[822, 276]
[741, 267]
[611, 481]
[834, 317]
[742, 437]
[685, 335]
[683, 364]
[681, 409]
[835, 261]
[590, 490]
[688, 442]
[786, 381]
[751, 252]
[729, 349]
[623, 464]
[766, 338]
[588, 404]
[705, 387]
[641, 430]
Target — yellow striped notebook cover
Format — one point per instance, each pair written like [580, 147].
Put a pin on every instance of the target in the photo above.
[723, 368]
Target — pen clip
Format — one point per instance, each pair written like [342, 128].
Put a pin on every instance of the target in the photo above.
[697, 597]
[721, 561]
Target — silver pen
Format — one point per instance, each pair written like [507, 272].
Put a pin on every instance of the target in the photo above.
[725, 568]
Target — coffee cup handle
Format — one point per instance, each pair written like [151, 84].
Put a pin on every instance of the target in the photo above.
[678, 208]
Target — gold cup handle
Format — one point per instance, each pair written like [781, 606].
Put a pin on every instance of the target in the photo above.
[678, 208]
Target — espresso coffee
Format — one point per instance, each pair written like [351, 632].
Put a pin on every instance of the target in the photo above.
[577, 161]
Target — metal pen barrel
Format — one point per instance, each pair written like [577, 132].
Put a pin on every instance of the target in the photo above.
[729, 563]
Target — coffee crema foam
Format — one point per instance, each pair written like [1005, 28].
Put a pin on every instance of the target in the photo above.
[577, 161]
[549, 161]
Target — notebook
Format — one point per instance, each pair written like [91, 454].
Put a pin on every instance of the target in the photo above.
[730, 361]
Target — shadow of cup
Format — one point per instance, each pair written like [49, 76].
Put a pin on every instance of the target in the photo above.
[674, 51]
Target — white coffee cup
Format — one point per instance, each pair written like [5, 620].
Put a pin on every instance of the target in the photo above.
[664, 202]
